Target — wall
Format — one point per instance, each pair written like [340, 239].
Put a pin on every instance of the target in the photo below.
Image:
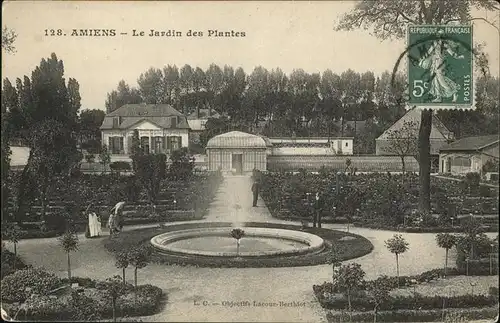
[462, 163]
[197, 124]
[381, 146]
[362, 163]
[312, 147]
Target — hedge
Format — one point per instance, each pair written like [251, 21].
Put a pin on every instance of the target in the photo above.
[18, 286]
[415, 316]
[381, 226]
[409, 302]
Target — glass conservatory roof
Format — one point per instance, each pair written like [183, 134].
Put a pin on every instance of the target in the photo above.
[236, 139]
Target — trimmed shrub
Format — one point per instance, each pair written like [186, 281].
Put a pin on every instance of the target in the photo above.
[18, 286]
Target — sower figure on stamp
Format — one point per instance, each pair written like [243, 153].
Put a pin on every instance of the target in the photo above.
[255, 191]
[318, 210]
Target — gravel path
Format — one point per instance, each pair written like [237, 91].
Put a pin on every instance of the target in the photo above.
[205, 294]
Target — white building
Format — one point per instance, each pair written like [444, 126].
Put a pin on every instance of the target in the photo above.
[311, 146]
[468, 154]
[162, 129]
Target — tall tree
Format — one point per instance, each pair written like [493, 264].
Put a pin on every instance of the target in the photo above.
[50, 116]
[9, 104]
[152, 86]
[89, 129]
[171, 81]
[121, 96]
[350, 96]
[388, 19]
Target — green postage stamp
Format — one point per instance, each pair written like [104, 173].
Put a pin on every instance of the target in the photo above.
[440, 66]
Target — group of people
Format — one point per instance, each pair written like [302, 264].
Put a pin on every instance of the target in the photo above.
[115, 221]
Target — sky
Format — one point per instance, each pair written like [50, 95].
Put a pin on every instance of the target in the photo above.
[288, 35]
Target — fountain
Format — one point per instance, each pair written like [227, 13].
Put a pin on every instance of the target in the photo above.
[216, 240]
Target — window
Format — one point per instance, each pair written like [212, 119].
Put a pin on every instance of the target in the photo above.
[174, 143]
[116, 122]
[347, 144]
[203, 123]
[116, 145]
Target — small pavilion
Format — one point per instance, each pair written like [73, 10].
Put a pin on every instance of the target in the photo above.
[237, 152]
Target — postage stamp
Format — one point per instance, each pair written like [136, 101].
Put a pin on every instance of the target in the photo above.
[440, 65]
[248, 161]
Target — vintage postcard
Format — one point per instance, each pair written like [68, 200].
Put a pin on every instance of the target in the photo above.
[250, 161]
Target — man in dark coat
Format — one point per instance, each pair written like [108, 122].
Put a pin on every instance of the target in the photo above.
[318, 210]
[255, 191]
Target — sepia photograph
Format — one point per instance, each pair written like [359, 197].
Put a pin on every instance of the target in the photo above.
[250, 161]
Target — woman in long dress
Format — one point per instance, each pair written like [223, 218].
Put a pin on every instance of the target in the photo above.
[441, 86]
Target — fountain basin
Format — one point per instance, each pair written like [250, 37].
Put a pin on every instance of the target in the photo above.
[257, 242]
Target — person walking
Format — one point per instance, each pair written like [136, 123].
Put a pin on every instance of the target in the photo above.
[318, 210]
[118, 218]
[255, 191]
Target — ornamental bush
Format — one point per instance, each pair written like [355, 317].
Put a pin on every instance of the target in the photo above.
[18, 286]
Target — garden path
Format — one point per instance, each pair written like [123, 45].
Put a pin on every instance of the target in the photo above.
[189, 287]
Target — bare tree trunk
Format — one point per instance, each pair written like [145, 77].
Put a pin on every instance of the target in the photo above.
[375, 314]
[114, 309]
[397, 267]
[446, 262]
[349, 302]
[425, 161]
[123, 275]
[15, 255]
[69, 269]
[135, 277]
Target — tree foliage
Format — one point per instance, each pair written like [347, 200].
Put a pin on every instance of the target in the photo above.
[8, 38]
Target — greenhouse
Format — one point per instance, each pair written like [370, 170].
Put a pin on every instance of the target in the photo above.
[237, 152]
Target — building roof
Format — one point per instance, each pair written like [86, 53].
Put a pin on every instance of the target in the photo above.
[203, 114]
[132, 114]
[414, 115]
[471, 143]
[143, 110]
[236, 139]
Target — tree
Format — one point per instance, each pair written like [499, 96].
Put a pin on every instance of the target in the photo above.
[378, 291]
[104, 157]
[446, 241]
[136, 149]
[403, 142]
[89, 123]
[349, 278]
[121, 96]
[8, 39]
[151, 86]
[48, 118]
[113, 288]
[150, 171]
[139, 257]
[9, 104]
[12, 233]
[69, 243]
[388, 19]
[122, 261]
[334, 259]
[182, 164]
[397, 245]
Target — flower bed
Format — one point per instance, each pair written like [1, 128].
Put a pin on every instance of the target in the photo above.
[373, 198]
[88, 301]
[363, 303]
[416, 315]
